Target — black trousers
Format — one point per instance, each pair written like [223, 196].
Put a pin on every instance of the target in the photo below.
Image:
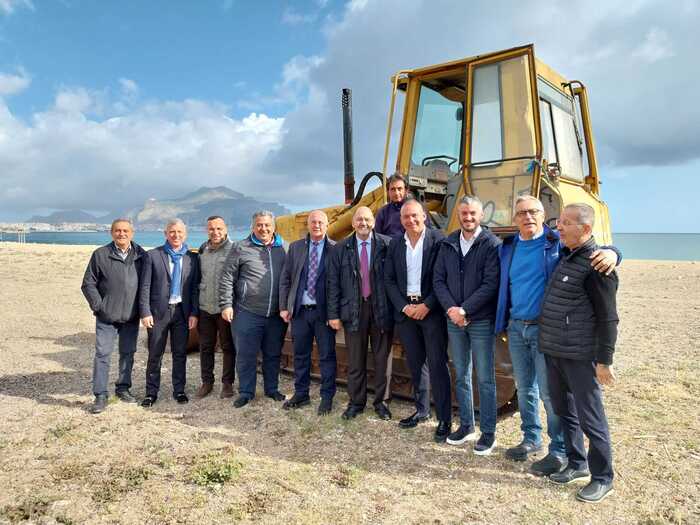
[577, 399]
[426, 341]
[175, 324]
[209, 326]
[308, 325]
[357, 345]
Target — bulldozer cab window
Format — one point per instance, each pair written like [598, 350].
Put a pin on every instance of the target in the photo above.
[487, 145]
[438, 134]
[560, 126]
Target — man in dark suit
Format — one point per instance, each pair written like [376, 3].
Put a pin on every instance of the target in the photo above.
[169, 304]
[303, 302]
[419, 318]
[357, 299]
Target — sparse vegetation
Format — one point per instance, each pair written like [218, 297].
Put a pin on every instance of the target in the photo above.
[215, 468]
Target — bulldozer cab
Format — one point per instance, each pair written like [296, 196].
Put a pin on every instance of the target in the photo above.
[496, 126]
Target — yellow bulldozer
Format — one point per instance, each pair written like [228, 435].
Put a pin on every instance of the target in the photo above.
[497, 126]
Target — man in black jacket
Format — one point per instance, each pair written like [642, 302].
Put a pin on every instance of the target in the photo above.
[111, 285]
[578, 331]
[465, 279]
[357, 301]
[303, 303]
[419, 318]
[169, 304]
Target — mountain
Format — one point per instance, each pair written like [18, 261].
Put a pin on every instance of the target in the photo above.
[62, 216]
[195, 207]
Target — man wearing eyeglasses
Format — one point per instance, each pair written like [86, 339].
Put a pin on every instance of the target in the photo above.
[528, 260]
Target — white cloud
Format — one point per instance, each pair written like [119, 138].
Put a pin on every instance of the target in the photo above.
[292, 17]
[11, 84]
[7, 7]
[129, 87]
[66, 157]
[656, 46]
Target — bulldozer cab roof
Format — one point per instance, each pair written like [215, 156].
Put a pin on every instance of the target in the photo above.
[451, 73]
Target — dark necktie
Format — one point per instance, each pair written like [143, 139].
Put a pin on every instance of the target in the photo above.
[313, 271]
[364, 271]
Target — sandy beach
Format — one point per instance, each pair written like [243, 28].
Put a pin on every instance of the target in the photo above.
[208, 463]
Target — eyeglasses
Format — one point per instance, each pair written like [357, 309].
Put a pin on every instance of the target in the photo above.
[525, 213]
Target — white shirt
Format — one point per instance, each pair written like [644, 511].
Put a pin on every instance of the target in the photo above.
[466, 244]
[414, 264]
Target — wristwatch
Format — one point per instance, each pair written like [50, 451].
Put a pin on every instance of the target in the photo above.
[463, 312]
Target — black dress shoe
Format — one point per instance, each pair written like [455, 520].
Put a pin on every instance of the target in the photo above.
[148, 401]
[181, 398]
[126, 397]
[99, 405]
[240, 401]
[296, 402]
[570, 475]
[352, 412]
[594, 492]
[442, 431]
[382, 412]
[412, 420]
[325, 407]
[276, 396]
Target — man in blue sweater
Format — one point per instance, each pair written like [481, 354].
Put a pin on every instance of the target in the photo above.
[527, 262]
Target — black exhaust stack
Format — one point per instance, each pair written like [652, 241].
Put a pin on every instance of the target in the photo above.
[347, 146]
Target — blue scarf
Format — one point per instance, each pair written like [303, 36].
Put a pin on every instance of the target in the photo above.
[176, 279]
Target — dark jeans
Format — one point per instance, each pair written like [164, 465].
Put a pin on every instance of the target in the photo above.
[175, 324]
[256, 333]
[306, 326]
[357, 345]
[105, 335]
[474, 343]
[426, 342]
[209, 326]
[577, 400]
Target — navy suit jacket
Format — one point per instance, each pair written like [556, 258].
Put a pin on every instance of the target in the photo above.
[155, 284]
[293, 278]
[396, 273]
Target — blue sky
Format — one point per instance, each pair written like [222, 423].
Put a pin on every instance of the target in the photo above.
[104, 104]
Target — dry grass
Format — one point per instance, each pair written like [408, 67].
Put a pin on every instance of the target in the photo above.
[209, 463]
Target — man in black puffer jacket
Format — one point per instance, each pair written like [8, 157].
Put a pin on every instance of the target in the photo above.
[578, 331]
[111, 285]
[357, 301]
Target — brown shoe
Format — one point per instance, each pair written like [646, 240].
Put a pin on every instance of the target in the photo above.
[203, 391]
[226, 390]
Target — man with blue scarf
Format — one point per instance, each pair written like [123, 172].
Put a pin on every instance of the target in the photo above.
[249, 299]
[169, 304]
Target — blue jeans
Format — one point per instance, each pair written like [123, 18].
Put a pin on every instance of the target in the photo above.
[530, 373]
[105, 336]
[474, 342]
[252, 334]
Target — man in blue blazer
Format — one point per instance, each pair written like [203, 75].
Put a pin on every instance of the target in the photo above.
[418, 315]
[303, 303]
[169, 304]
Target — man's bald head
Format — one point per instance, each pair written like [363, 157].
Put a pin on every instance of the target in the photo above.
[363, 222]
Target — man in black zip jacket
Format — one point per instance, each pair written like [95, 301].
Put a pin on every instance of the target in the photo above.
[357, 301]
[578, 331]
[111, 285]
[465, 280]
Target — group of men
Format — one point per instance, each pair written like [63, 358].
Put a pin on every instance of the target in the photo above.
[553, 292]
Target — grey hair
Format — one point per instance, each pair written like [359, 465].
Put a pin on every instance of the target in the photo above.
[261, 213]
[173, 222]
[529, 198]
[471, 199]
[585, 214]
[121, 219]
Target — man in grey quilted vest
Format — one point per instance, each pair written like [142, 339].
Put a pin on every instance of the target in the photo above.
[578, 331]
